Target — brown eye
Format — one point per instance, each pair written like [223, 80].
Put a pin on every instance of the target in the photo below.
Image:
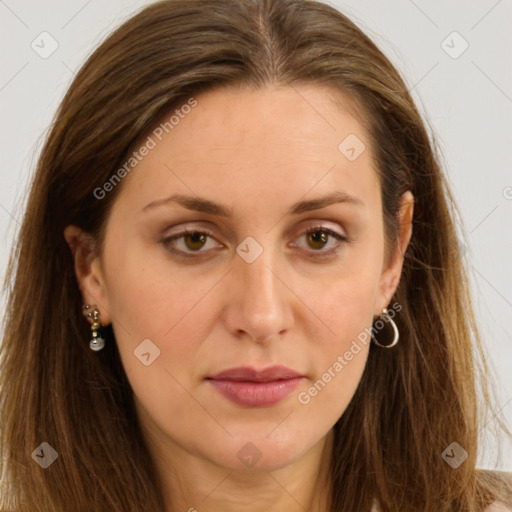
[195, 241]
[188, 243]
[317, 239]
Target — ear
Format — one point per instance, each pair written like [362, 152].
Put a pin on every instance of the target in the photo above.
[390, 276]
[88, 271]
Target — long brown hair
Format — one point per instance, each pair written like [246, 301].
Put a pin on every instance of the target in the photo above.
[413, 401]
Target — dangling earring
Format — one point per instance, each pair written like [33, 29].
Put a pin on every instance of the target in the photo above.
[97, 342]
[389, 320]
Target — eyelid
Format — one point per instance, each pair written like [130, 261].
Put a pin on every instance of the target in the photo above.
[187, 230]
[319, 227]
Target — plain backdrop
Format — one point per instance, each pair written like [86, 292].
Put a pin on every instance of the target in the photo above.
[456, 59]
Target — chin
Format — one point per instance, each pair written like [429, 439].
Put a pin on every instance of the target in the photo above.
[253, 454]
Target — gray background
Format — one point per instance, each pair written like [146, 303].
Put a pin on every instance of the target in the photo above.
[466, 98]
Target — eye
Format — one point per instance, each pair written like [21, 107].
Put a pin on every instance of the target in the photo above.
[317, 238]
[193, 241]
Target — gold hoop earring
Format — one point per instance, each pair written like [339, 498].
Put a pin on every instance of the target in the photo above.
[389, 320]
[97, 342]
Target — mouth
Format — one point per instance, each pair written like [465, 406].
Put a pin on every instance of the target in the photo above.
[248, 387]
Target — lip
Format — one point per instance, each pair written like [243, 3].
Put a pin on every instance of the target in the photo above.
[250, 387]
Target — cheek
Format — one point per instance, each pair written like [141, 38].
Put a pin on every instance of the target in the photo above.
[159, 303]
[148, 294]
[345, 305]
[329, 394]
[160, 322]
[339, 359]
[341, 352]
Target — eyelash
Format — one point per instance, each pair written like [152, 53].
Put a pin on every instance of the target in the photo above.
[315, 229]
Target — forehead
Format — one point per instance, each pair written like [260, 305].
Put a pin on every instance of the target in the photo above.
[313, 117]
[274, 142]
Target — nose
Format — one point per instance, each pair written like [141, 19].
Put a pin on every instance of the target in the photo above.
[260, 304]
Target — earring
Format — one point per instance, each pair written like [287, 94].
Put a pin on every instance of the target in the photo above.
[378, 327]
[97, 342]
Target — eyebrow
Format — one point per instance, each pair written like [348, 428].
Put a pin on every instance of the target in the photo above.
[204, 205]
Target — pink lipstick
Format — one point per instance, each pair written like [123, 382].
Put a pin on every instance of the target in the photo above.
[249, 387]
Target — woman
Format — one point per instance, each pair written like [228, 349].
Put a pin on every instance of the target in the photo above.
[235, 286]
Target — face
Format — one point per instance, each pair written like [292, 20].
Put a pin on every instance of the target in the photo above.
[246, 269]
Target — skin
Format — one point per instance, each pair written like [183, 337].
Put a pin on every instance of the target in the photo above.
[257, 153]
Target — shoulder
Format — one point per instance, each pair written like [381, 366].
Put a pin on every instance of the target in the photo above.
[503, 480]
[499, 506]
